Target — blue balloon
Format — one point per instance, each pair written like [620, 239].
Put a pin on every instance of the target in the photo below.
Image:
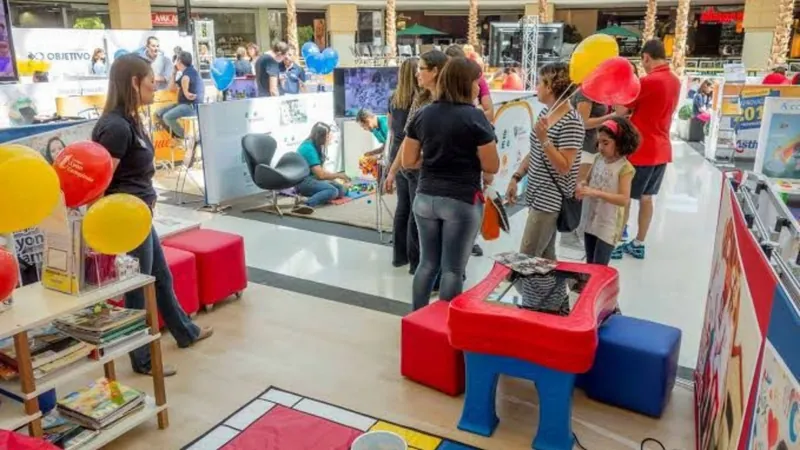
[309, 48]
[331, 57]
[120, 52]
[316, 63]
[223, 73]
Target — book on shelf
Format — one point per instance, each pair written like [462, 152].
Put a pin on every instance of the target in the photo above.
[81, 351]
[65, 433]
[46, 345]
[100, 319]
[101, 404]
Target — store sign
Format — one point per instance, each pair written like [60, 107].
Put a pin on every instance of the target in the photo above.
[713, 15]
[166, 19]
[59, 56]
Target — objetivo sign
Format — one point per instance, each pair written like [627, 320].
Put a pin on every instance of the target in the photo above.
[60, 56]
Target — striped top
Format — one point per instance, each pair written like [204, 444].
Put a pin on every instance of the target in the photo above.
[541, 193]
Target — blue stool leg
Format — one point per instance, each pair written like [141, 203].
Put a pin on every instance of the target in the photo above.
[479, 415]
[555, 410]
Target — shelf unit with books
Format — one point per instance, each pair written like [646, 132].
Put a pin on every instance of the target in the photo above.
[35, 306]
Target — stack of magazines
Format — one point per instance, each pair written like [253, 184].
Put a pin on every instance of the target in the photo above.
[51, 350]
[104, 325]
[101, 404]
[64, 433]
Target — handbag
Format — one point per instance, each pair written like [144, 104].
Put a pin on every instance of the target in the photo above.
[495, 218]
[569, 218]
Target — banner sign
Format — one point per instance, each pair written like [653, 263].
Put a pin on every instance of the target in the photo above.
[778, 153]
[514, 115]
[745, 105]
[742, 379]
[223, 125]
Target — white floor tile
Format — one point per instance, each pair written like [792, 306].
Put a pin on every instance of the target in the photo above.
[282, 398]
[249, 414]
[215, 439]
[334, 414]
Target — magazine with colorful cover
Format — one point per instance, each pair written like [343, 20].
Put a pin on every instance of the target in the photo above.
[98, 401]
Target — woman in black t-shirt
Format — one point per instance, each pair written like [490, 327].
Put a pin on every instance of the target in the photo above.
[453, 144]
[130, 86]
[405, 241]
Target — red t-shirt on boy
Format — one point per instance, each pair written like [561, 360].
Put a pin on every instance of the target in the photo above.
[652, 116]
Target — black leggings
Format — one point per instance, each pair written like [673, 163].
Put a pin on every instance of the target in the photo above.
[598, 251]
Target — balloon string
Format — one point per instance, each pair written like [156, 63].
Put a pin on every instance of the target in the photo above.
[561, 100]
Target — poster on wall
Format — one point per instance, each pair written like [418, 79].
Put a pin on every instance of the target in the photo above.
[68, 52]
[776, 422]
[8, 63]
[287, 119]
[778, 151]
[513, 123]
[746, 106]
[738, 305]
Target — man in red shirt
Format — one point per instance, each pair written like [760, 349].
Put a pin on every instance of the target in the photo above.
[778, 76]
[652, 114]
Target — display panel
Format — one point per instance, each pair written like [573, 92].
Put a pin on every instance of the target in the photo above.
[363, 88]
[8, 60]
[505, 43]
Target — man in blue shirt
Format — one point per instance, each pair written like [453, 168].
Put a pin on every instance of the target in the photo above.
[293, 77]
[378, 126]
[161, 65]
[268, 70]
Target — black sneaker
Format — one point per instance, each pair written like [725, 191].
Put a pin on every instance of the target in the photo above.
[477, 250]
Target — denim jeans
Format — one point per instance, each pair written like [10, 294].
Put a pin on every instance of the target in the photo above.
[447, 230]
[170, 115]
[405, 237]
[319, 192]
[152, 262]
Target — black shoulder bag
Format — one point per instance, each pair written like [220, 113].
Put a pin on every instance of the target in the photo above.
[570, 215]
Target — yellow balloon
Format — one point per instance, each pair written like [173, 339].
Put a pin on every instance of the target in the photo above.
[8, 151]
[117, 224]
[589, 54]
[29, 191]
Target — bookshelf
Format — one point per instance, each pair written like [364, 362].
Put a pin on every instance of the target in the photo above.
[35, 306]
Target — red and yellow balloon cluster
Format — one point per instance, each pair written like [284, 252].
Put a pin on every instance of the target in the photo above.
[603, 75]
[30, 189]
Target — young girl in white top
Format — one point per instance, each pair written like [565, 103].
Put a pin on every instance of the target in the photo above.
[607, 189]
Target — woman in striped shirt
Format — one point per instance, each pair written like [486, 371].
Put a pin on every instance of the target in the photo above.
[552, 163]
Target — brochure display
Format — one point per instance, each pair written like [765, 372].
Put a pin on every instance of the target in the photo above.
[778, 152]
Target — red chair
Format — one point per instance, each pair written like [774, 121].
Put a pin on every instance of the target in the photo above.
[426, 355]
[183, 267]
[221, 268]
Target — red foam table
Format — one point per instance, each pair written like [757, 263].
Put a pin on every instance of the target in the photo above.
[426, 355]
[221, 268]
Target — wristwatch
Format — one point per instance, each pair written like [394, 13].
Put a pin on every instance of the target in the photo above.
[516, 177]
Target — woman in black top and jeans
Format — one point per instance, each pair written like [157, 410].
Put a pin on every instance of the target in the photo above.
[405, 240]
[454, 144]
[130, 86]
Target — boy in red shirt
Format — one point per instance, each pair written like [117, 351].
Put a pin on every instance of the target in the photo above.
[652, 115]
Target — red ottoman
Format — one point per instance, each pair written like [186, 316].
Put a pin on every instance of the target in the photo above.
[425, 352]
[183, 268]
[221, 269]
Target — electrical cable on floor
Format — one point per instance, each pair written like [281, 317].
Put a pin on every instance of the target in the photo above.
[644, 441]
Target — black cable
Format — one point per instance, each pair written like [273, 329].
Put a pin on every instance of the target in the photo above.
[577, 442]
[646, 440]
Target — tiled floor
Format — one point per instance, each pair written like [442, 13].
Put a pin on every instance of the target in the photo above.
[668, 287]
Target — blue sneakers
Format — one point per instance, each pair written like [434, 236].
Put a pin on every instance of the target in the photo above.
[634, 249]
[617, 253]
[625, 234]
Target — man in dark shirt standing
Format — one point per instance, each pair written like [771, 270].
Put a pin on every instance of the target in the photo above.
[268, 68]
[292, 76]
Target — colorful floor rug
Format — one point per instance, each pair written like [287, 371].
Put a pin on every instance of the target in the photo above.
[280, 420]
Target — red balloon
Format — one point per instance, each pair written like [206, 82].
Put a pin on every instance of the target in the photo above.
[612, 83]
[85, 170]
[9, 274]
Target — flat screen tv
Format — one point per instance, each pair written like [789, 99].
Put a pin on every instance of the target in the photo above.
[356, 88]
[8, 61]
[505, 43]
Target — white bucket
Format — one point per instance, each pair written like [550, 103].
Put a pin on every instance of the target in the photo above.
[379, 440]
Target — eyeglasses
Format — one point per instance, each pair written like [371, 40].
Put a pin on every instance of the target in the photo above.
[422, 69]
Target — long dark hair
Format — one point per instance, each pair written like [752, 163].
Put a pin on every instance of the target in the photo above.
[121, 94]
[319, 137]
[406, 85]
[455, 81]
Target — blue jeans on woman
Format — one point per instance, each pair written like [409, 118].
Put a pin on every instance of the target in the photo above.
[152, 262]
[172, 113]
[319, 192]
[447, 230]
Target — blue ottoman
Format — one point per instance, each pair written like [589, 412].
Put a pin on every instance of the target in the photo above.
[635, 366]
